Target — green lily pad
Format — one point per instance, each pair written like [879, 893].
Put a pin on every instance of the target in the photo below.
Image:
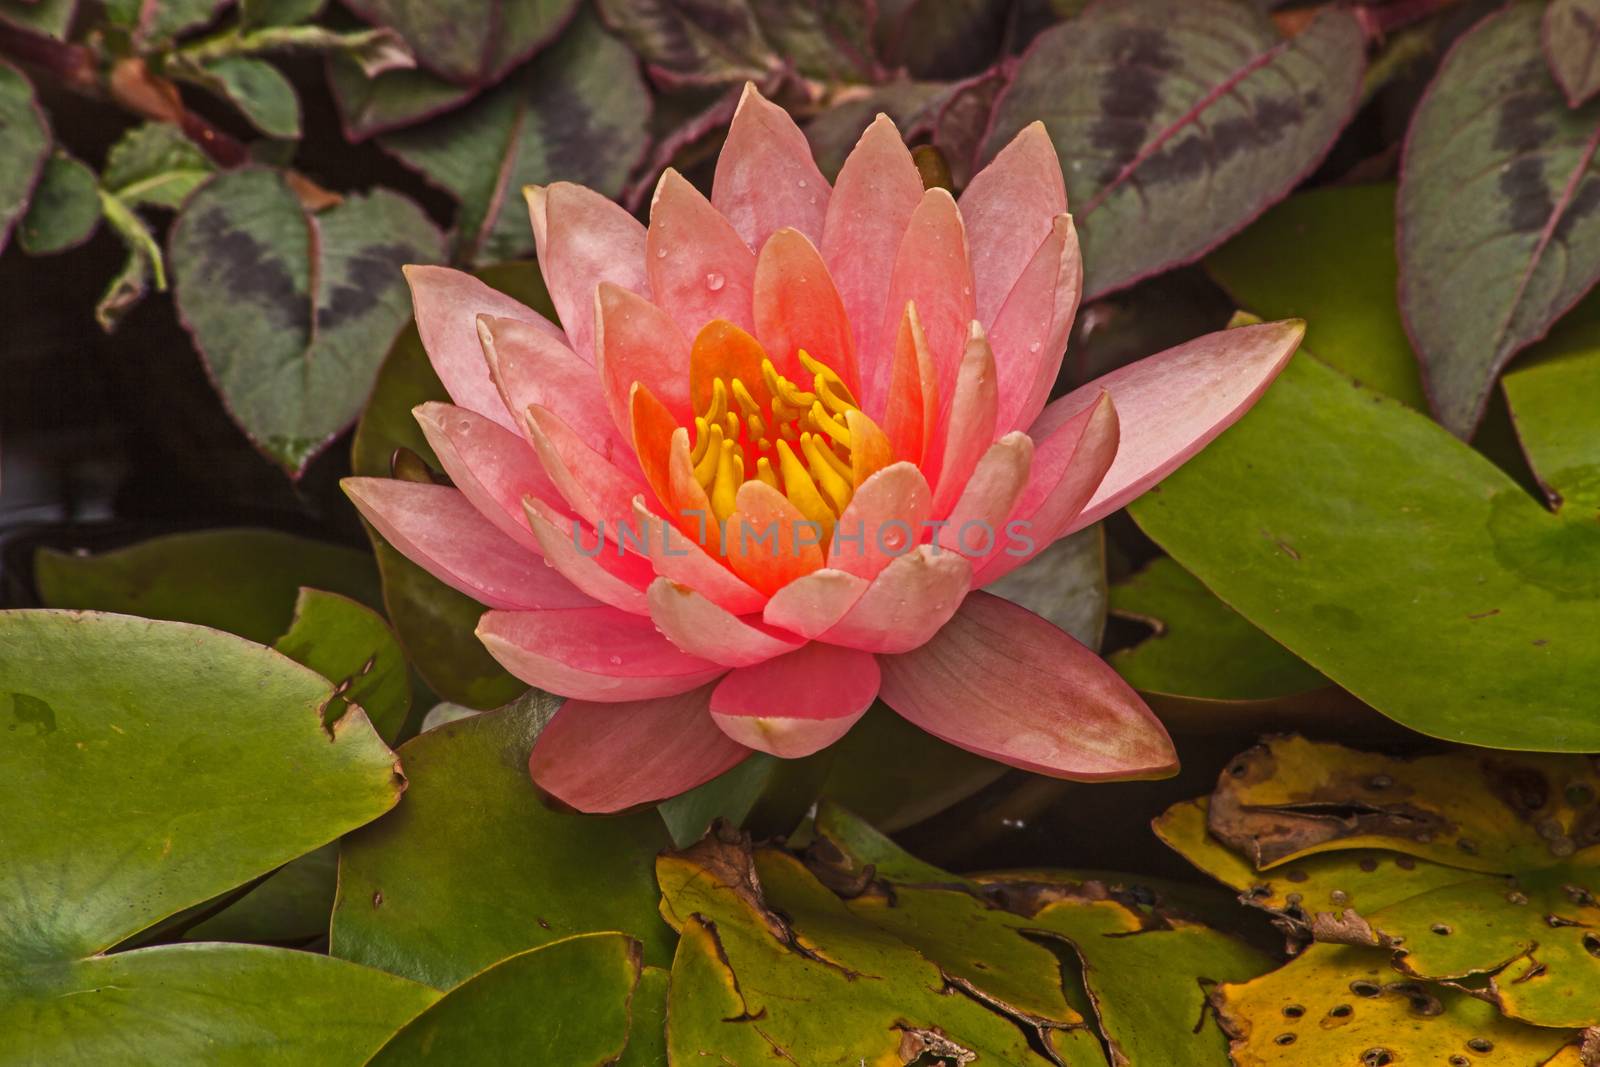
[293, 312]
[221, 1005]
[243, 581]
[1342, 284]
[290, 907]
[1551, 396]
[1201, 647]
[470, 43]
[123, 734]
[764, 794]
[580, 114]
[27, 146]
[647, 1026]
[473, 867]
[65, 210]
[352, 647]
[1178, 120]
[771, 964]
[579, 988]
[1358, 534]
[1498, 230]
[1335, 1005]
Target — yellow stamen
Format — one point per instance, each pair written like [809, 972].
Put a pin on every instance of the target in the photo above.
[747, 403]
[700, 438]
[705, 468]
[837, 487]
[802, 491]
[764, 471]
[830, 388]
[830, 425]
[730, 475]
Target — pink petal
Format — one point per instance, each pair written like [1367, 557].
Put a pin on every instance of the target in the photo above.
[1029, 334]
[1001, 682]
[492, 466]
[796, 704]
[766, 178]
[797, 307]
[448, 303]
[883, 520]
[584, 239]
[435, 527]
[768, 541]
[604, 758]
[976, 525]
[931, 270]
[598, 490]
[1172, 404]
[677, 557]
[594, 653]
[969, 427]
[636, 341]
[598, 568]
[811, 605]
[906, 604]
[1067, 466]
[528, 367]
[911, 410]
[874, 197]
[1008, 208]
[700, 268]
[703, 629]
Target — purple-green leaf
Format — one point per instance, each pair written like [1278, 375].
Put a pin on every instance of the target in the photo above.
[1179, 121]
[24, 146]
[293, 312]
[470, 43]
[1571, 33]
[1499, 227]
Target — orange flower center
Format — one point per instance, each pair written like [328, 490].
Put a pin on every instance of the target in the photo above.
[799, 443]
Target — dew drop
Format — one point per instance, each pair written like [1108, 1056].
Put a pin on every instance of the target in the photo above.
[661, 253]
[802, 183]
[715, 281]
[1034, 347]
[615, 660]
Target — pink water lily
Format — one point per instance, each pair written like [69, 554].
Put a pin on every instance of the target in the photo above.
[857, 373]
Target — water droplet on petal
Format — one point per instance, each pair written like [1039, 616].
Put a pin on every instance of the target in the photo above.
[616, 660]
[661, 253]
[714, 281]
[802, 183]
[1034, 347]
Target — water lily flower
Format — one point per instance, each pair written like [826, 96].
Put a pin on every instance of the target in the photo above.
[781, 439]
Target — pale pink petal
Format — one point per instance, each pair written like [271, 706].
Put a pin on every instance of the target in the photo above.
[528, 367]
[769, 543]
[584, 239]
[435, 527]
[873, 199]
[766, 178]
[976, 525]
[811, 605]
[1068, 463]
[597, 567]
[931, 270]
[1172, 404]
[598, 490]
[1008, 207]
[700, 269]
[638, 342]
[448, 303]
[883, 520]
[796, 704]
[797, 307]
[906, 604]
[969, 424]
[1029, 336]
[675, 556]
[595, 653]
[603, 758]
[703, 629]
[494, 467]
[1004, 683]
